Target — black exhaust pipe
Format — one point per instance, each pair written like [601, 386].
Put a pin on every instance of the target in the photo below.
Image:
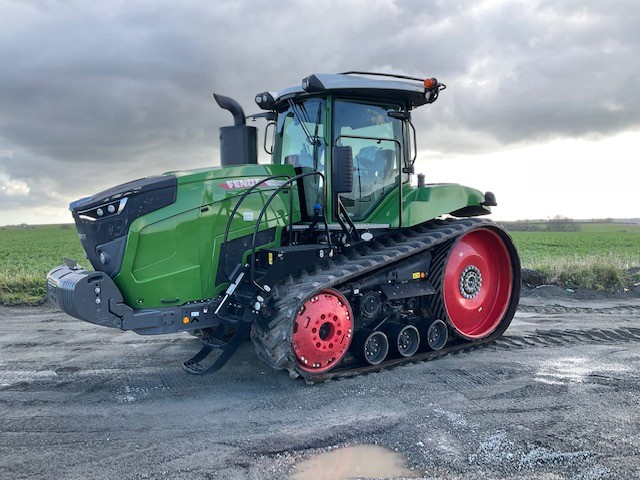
[238, 143]
[234, 107]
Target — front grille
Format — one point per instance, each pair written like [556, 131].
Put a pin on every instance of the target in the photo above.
[107, 215]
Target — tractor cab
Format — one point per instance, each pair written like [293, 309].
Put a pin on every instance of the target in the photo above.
[365, 119]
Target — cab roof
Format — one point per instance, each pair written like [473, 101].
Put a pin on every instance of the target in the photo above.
[409, 91]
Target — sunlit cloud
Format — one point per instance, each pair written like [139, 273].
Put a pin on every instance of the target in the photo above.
[12, 188]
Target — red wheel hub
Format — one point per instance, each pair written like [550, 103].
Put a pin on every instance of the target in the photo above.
[478, 281]
[322, 331]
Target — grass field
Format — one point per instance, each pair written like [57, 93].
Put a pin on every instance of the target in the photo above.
[620, 242]
[26, 255]
[600, 256]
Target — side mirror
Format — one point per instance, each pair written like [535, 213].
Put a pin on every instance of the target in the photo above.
[266, 134]
[342, 169]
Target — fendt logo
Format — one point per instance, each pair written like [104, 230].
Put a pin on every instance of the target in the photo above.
[248, 183]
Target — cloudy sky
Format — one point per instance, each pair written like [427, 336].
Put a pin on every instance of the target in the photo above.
[542, 105]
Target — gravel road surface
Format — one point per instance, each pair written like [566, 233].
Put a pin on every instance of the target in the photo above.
[557, 397]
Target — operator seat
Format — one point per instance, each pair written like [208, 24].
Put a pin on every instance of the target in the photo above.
[375, 166]
[387, 160]
[299, 160]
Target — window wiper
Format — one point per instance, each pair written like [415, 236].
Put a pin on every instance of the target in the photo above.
[305, 114]
[303, 117]
[316, 140]
[301, 121]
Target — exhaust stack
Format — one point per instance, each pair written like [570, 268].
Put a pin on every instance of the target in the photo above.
[238, 143]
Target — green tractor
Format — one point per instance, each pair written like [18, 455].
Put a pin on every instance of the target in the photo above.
[329, 257]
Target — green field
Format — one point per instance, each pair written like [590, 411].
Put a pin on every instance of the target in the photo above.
[602, 256]
[540, 247]
[599, 256]
[26, 255]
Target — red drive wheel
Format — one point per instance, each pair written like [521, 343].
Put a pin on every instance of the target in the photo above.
[477, 284]
[322, 331]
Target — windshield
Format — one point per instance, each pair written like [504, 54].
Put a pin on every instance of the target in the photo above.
[300, 142]
[301, 131]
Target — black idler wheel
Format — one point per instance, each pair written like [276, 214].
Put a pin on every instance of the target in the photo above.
[405, 339]
[437, 335]
[371, 304]
[408, 341]
[372, 347]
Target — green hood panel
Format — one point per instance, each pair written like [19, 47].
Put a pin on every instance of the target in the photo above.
[172, 254]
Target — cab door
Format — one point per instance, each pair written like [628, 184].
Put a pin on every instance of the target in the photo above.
[376, 141]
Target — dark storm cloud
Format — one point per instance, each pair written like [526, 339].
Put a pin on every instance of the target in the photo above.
[93, 94]
[565, 73]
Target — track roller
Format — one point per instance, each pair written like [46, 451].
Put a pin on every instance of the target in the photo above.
[405, 339]
[437, 335]
[373, 347]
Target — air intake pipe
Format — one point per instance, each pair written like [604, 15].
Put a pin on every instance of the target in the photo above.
[238, 143]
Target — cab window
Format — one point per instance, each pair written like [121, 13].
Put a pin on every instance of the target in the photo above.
[375, 139]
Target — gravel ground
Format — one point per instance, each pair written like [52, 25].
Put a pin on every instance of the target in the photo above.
[557, 397]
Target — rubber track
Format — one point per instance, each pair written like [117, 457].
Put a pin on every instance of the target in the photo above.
[273, 344]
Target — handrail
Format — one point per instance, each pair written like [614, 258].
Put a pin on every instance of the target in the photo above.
[264, 209]
[223, 248]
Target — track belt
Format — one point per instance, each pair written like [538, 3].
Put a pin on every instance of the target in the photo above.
[273, 340]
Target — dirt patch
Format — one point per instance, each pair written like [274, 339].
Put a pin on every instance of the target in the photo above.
[556, 397]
